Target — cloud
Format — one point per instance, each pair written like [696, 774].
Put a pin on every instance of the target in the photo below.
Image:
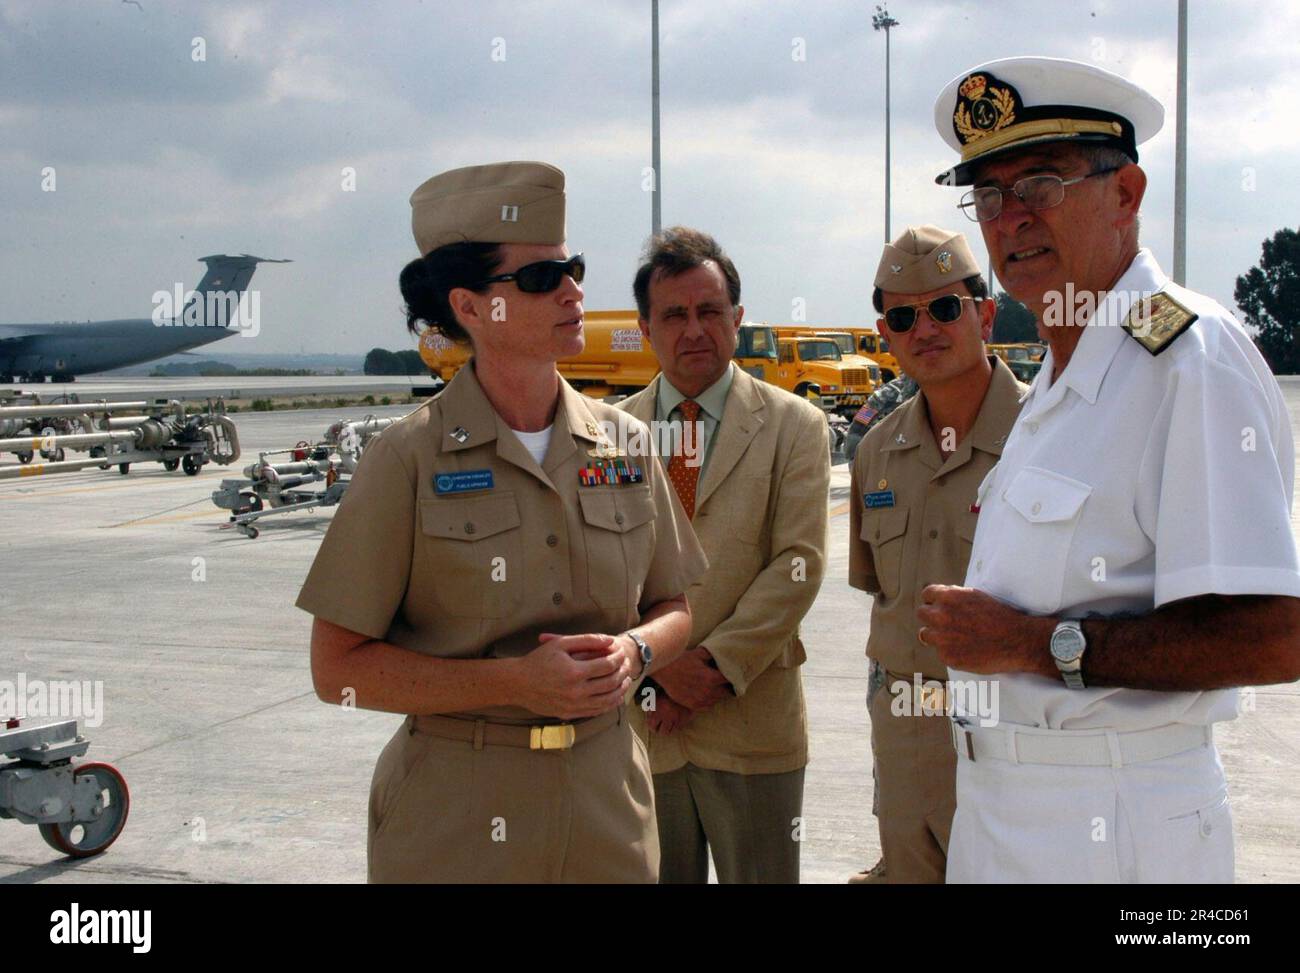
[773, 138]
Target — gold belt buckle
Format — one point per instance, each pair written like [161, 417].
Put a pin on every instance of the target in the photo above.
[559, 736]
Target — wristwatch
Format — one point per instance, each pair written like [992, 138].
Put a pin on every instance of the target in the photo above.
[1068, 646]
[646, 655]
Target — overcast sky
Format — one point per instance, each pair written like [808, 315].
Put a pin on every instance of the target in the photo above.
[161, 159]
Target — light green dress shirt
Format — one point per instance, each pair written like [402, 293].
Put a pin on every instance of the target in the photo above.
[712, 401]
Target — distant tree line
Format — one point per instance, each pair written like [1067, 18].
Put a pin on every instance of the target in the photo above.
[1269, 299]
[217, 369]
[380, 361]
[1014, 323]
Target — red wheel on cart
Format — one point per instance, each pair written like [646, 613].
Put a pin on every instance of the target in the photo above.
[79, 839]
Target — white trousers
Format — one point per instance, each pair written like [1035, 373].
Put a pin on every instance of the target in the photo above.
[1164, 820]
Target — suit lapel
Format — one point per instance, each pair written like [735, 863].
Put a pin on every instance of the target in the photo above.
[742, 417]
[642, 404]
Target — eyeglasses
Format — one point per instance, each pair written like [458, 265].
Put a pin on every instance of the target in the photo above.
[944, 310]
[543, 276]
[1036, 192]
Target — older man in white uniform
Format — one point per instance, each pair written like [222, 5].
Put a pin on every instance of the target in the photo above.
[1133, 560]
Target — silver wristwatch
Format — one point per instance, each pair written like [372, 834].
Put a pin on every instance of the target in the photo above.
[644, 649]
[1068, 646]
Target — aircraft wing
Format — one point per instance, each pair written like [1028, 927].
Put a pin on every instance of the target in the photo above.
[8, 331]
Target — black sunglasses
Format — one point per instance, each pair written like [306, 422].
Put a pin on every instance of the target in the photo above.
[543, 276]
[944, 310]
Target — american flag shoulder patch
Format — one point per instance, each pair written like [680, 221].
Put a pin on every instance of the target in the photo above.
[865, 415]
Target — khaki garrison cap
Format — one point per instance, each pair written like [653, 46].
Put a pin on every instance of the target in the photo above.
[505, 202]
[925, 258]
[1017, 102]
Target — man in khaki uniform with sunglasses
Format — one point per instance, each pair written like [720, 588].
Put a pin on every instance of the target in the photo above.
[912, 520]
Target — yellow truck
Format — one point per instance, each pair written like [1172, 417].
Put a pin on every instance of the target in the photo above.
[1024, 358]
[616, 359]
[809, 365]
[870, 343]
[852, 356]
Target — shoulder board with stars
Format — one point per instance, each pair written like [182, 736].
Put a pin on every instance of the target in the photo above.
[1154, 323]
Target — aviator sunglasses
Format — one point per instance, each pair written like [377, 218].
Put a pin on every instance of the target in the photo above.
[543, 276]
[944, 310]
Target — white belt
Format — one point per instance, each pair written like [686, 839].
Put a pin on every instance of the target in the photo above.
[1078, 748]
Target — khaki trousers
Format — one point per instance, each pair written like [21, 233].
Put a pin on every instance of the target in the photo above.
[447, 811]
[749, 821]
[916, 786]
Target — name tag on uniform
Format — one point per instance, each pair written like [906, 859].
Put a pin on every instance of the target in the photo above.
[463, 482]
[881, 498]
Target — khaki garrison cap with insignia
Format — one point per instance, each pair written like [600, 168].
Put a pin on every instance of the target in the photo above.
[1016, 102]
[505, 202]
[925, 258]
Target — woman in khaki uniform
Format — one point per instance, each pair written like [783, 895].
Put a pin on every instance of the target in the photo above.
[503, 568]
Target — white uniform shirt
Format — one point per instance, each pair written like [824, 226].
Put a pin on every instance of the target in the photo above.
[1132, 481]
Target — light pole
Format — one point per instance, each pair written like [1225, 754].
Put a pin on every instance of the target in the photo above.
[1180, 154]
[881, 20]
[654, 115]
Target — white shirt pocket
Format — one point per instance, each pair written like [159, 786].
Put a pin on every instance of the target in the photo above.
[1034, 553]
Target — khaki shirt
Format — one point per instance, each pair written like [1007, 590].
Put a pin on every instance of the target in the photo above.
[479, 573]
[924, 536]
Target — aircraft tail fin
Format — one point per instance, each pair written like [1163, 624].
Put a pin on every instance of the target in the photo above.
[229, 275]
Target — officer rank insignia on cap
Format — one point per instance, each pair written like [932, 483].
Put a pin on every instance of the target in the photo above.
[923, 258]
[1013, 103]
[502, 202]
[984, 105]
[1155, 321]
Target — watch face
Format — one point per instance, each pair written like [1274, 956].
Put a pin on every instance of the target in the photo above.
[1067, 644]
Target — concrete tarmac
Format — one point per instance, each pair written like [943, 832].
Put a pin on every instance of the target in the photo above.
[239, 774]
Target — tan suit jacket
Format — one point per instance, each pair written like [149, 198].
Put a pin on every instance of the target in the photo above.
[760, 515]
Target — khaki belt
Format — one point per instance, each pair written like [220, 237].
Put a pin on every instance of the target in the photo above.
[1076, 748]
[550, 736]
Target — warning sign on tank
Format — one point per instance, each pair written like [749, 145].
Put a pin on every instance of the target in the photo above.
[625, 339]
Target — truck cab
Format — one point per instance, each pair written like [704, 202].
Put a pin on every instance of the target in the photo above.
[1024, 358]
[813, 367]
[848, 350]
[876, 347]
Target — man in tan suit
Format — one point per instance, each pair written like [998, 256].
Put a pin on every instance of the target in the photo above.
[725, 723]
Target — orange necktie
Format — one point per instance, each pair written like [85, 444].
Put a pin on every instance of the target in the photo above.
[685, 478]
